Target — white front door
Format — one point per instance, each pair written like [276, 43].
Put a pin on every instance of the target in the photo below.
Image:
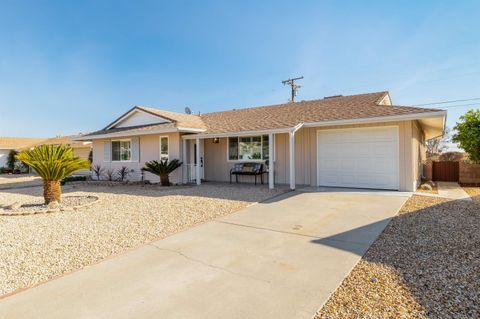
[358, 158]
[193, 157]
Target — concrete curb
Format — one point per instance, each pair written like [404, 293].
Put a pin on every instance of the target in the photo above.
[48, 211]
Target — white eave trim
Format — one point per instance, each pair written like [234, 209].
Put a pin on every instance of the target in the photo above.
[239, 133]
[403, 117]
[130, 112]
[393, 118]
[137, 133]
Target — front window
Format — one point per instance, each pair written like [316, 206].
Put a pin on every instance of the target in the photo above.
[248, 148]
[121, 151]
[164, 148]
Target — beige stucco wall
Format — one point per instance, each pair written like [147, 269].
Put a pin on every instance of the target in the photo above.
[149, 149]
[411, 153]
[418, 153]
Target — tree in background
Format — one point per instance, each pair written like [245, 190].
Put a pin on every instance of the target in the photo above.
[467, 134]
[11, 159]
[53, 163]
[436, 146]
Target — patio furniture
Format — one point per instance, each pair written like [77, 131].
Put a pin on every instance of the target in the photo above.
[249, 169]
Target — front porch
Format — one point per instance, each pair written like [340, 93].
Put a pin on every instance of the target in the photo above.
[211, 157]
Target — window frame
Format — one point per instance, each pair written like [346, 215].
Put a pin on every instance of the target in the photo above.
[120, 160]
[160, 147]
[262, 160]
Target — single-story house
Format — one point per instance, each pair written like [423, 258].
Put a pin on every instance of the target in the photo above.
[7, 144]
[81, 149]
[361, 141]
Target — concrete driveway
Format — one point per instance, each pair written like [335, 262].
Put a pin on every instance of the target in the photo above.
[278, 259]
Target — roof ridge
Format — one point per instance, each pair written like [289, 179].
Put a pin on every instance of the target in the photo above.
[302, 101]
[147, 108]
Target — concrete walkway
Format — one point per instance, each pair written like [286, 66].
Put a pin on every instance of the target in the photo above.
[452, 190]
[278, 259]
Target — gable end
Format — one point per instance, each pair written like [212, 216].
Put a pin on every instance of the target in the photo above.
[137, 117]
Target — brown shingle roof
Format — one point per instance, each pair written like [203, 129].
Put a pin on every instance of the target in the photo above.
[63, 140]
[141, 129]
[17, 142]
[290, 114]
[180, 119]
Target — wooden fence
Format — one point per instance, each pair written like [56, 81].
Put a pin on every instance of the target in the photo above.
[445, 171]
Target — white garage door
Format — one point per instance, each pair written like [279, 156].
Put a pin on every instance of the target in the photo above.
[360, 158]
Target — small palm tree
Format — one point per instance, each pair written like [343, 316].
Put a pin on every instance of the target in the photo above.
[53, 163]
[162, 169]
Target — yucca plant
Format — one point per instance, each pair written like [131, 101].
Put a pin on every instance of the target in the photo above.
[53, 163]
[162, 169]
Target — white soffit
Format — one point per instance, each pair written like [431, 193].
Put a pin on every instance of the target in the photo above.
[139, 117]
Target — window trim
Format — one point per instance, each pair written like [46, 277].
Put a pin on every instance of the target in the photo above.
[262, 160]
[111, 150]
[160, 147]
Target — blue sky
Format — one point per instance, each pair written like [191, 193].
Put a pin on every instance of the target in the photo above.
[73, 66]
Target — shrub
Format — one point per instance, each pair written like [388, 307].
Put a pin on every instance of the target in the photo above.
[123, 173]
[11, 159]
[162, 169]
[98, 171]
[73, 179]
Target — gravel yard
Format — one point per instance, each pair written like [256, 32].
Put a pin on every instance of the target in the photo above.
[36, 248]
[425, 264]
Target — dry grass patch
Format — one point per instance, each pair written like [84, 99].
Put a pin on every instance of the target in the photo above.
[474, 192]
[424, 265]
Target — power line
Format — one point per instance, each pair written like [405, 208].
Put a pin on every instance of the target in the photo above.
[448, 102]
[459, 105]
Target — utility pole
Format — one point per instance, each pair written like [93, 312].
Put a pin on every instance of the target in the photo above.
[294, 86]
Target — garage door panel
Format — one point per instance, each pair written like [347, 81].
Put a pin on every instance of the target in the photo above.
[363, 158]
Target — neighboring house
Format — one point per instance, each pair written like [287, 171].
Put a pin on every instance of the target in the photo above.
[7, 144]
[346, 141]
[80, 148]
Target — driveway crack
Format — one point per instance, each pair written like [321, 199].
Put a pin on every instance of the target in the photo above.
[198, 261]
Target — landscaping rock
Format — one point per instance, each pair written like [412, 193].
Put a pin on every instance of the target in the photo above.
[53, 205]
[426, 187]
[426, 262]
[14, 205]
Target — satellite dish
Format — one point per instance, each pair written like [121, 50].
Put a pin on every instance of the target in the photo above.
[188, 110]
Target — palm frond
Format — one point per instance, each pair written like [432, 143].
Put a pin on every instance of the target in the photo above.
[162, 168]
[52, 162]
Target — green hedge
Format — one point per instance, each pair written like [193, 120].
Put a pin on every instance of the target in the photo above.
[73, 179]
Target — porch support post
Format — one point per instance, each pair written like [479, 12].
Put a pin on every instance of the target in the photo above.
[184, 160]
[197, 167]
[292, 159]
[270, 161]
